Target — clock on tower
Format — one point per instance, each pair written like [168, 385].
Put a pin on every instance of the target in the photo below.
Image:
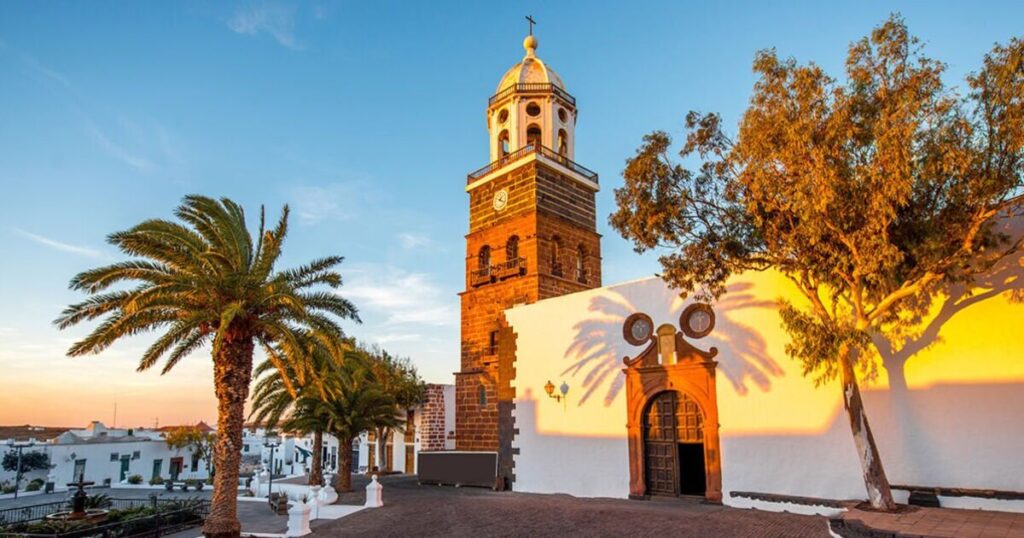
[532, 235]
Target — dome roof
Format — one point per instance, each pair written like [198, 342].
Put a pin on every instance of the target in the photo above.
[530, 70]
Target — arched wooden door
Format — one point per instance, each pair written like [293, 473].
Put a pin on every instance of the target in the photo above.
[673, 436]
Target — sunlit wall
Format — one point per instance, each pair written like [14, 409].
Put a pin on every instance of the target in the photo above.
[945, 409]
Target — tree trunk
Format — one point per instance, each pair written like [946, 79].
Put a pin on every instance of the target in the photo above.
[382, 440]
[232, 372]
[879, 494]
[316, 472]
[343, 482]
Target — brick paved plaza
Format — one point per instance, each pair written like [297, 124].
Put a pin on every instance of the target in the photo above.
[413, 510]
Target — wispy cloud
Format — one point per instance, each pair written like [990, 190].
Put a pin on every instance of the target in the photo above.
[116, 150]
[390, 338]
[401, 297]
[32, 63]
[409, 240]
[336, 201]
[59, 245]
[274, 19]
[153, 143]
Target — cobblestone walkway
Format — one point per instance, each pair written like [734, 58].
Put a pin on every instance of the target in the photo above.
[414, 510]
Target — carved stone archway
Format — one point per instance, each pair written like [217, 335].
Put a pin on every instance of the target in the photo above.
[669, 363]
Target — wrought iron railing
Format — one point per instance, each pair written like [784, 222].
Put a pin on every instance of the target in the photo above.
[498, 271]
[526, 150]
[161, 523]
[532, 87]
[37, 512]
[34, 512]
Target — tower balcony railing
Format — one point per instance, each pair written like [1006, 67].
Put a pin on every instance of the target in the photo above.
[498, 271]
[526, 150]
[532, 87]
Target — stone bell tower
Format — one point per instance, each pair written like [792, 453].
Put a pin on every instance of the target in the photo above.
[532, 235]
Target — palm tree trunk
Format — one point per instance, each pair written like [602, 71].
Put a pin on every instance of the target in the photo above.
[879, 494]
[232, 372]
[343, 482]
[316, 473]
[382, 439]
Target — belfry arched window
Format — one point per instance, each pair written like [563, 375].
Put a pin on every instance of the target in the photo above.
[503, 144]
[533, 136]
[512, 249]
[563, 143]
[581, 267]
[483, 260]
[556, 254]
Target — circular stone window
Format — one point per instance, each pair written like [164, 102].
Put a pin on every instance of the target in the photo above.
[562, 115]
[533, 109]
[503, 115]
[637, 329]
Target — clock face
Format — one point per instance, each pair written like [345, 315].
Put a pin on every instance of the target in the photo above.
[500, 199]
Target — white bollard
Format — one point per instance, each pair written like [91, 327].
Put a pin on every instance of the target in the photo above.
[298, 519]
[327, 495]
[314, 501]
[255, 486]
[374, 491]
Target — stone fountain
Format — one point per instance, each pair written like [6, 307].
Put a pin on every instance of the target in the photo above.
[78, 511]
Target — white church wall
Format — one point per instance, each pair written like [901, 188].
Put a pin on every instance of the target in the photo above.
[949, 417]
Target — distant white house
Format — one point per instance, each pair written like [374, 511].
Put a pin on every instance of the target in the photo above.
[110, 456]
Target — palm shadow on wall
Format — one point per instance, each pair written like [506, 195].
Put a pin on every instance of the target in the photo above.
[598, 348]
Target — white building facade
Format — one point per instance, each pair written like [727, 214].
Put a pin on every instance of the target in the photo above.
[946, 415]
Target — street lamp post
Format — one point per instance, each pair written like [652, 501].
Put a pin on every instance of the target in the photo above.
[19, 447]
[271, 442]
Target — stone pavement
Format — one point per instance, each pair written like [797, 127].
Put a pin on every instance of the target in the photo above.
[414, 510]
[937, 522]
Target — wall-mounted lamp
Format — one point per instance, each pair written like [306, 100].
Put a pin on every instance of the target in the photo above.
[550, 389]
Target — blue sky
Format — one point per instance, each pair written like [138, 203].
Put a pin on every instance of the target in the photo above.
[365, 118]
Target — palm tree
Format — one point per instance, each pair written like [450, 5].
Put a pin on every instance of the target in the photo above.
[277, 391]
[356, 404]
[204, 280]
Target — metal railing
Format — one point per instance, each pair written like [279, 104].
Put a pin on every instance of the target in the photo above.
[526, 150]
[158, 524]
[532, 87]
[36, 512]
[498, 271]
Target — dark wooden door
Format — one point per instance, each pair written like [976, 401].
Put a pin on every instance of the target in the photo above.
[674, 445]
[660, 451]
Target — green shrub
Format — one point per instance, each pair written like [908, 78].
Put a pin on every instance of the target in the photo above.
[94, 502]
[7, 489]
[35, 485]
[131, 513]
[57, 527]
[135, 479]
[156, 481]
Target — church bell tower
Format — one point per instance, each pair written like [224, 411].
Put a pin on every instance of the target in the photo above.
[532, 236]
